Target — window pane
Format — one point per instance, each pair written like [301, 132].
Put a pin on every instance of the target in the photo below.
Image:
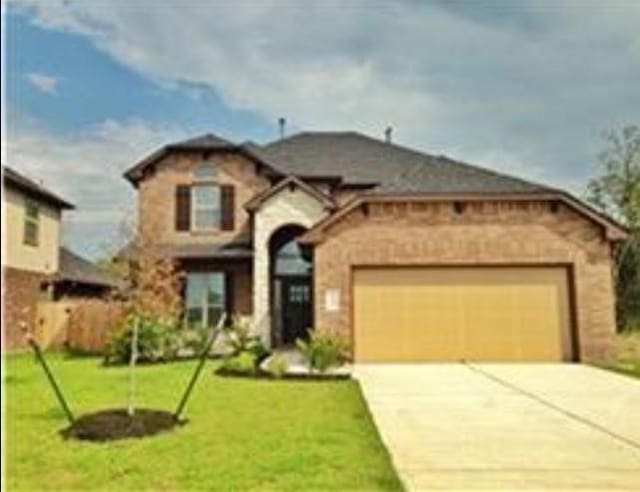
[206, 207]
[206, 196]
[31, 232]
[216, 294]
[205, 171]
[31, 210]
[194, 317]
[196, 283]
[213, 316]
[207, 219]
[289, 260]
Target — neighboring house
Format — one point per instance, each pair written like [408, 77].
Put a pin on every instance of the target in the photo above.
[413, 257]
[78, 278]
[34, 266]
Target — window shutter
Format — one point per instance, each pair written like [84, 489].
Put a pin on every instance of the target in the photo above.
[228, 294]
[228, 208]
[183, 207]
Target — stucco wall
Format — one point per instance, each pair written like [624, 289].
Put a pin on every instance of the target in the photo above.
[42, 258]
[156, 195]
[286, 207]
[484, 233]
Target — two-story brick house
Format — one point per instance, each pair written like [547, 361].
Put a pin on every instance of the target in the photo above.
[412, 256]
[35, 266]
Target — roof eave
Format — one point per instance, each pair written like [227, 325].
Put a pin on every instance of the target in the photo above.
[45, 197]
[614, 231]
[257, 201]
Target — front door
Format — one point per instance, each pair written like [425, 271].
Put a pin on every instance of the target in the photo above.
[296, 308]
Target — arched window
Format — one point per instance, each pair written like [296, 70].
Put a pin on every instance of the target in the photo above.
[206, 171]
[290, 261]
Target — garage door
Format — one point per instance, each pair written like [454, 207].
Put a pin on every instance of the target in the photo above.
[452, 314]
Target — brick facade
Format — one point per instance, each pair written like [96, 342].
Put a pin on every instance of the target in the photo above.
[156, 195]
[20, 293]
[482, 233]
[411, 232]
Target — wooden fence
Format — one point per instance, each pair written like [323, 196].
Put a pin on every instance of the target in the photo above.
[51, 323]
[80, 324]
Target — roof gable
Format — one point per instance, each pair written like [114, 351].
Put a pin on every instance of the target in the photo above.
[291, 182]
[613, 231]
[31, 188]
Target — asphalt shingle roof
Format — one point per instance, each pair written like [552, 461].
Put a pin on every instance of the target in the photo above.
[207, 141]
[74, 268]
[17, 180]
[361, 159]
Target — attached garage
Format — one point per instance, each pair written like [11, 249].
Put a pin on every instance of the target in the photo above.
[462, 313]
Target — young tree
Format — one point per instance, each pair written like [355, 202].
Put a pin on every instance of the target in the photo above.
[617, 192]
[153, 296]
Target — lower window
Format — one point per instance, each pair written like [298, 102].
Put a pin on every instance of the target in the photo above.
[205, 299]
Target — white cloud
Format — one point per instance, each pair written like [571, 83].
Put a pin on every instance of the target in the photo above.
[44, 83]
[537, 81]
[86, 168]
[525, 89]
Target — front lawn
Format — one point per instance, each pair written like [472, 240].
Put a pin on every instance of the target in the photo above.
[629, 368]
[625, 354]
[243, 434]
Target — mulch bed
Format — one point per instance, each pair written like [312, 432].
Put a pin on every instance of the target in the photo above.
[109, 425]
[260, 374]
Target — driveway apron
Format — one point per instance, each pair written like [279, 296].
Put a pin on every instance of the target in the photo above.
[506, 426]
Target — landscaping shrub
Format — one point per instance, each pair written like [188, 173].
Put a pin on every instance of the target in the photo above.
[242, 363]
[240, 339]
[159, 339]
[156, 340]
[277, 366]
[624, 353]
[323, 350]
[194, 339]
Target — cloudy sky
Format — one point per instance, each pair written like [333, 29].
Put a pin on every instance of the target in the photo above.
[524, 87]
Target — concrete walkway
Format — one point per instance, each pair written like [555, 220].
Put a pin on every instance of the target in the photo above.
[507, 426]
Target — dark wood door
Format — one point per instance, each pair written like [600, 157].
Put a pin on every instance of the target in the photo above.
[296, 308]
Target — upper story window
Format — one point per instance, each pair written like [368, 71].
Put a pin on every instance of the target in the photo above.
[31, 223]
[206, 207]
[204, 204]
[205, 172]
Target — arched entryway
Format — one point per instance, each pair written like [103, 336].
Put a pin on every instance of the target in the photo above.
[291, 280]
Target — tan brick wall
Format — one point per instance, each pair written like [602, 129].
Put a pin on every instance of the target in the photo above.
[156, 195]
[20, 293]
[421, 233]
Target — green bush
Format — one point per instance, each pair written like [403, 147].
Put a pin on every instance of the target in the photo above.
[240, 339]
[159, 339]
[277, 366]
[194, 339]
[242, 363]
[323, 350]
[156, 339]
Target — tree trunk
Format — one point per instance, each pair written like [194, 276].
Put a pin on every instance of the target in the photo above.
[132, 367]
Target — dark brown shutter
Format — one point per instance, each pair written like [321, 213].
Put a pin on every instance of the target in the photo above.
[183, 207]
[229, 294]
[228, 207]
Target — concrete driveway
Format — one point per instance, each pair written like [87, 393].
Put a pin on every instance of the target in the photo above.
[507, 426]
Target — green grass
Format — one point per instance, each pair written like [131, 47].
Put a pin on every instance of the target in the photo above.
[242, 434]
[625, 354]
[629, 368]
